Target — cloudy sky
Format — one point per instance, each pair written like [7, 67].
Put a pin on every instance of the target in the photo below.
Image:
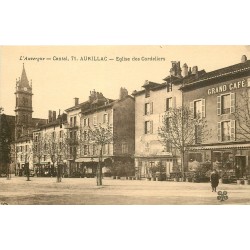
[56, 83]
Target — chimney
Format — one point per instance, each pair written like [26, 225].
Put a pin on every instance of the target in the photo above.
[184, 70]
[176, 69]
[76, 101]
[50, 116]
[194, 70]
[92, 96]
[243, 58]
[123, 93]
[54, 116]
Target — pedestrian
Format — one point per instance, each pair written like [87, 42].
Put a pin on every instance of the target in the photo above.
[214, 179]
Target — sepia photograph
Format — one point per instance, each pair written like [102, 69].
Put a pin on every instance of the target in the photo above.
[125, 125]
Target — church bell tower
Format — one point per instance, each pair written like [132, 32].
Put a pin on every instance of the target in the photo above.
[23, 108]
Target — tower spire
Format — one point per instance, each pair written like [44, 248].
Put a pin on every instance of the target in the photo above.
[24, 82]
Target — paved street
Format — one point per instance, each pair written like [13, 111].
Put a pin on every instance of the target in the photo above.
[115, 192]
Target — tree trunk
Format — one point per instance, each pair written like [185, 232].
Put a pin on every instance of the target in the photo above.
[28, 171]
[182, 165]
[99, 170]
[58, 176]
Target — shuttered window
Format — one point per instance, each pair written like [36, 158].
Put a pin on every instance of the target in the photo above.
[151, 108]
[232, 102]
[169, 104]
[219, 105]
[226, 130]
[203, 103]
[232, 130]
[191, 106]
[219, 131]
[148, 127]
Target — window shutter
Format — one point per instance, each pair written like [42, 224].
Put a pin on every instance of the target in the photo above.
[219, 105]
[219, 131]
[203, 107]
[232, 106]
[145, 127]
[174, 102]
[87, 121]
[151, 127]
[232, 130]
[151, 108]
[192, 108]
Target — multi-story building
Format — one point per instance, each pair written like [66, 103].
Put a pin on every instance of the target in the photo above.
[151, 104]
[223, 96]
[50, 145]
[104, 111]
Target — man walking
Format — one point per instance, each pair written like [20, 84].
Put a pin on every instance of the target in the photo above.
[214, 179]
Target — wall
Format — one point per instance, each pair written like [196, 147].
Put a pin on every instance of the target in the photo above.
[124, 126]
[211, 103]
[149, 144]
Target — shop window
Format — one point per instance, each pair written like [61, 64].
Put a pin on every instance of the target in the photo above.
[195, 157]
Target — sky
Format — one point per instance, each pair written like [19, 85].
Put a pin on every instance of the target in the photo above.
[56, 83]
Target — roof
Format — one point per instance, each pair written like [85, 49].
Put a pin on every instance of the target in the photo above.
[105, 106]
[149, 84]
[79, 106]
[219, 73]
[62, 119]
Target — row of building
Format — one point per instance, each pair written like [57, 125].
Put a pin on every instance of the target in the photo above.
[135, 119]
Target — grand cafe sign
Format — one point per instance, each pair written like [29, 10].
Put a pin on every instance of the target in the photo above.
[230, 86]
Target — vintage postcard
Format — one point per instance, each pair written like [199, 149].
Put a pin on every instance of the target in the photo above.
[124, 125]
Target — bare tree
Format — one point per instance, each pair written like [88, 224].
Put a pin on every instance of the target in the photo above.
[100, 136]
[38, 148]
[242, 116]
[57, 149]
[74, 142]
[182, 129]
[27, 158]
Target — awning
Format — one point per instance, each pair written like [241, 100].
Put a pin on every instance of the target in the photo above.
[90, 159]
[233, 146]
